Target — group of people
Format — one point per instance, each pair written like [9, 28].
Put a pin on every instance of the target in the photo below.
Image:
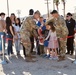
[52, 37]
[10, 29]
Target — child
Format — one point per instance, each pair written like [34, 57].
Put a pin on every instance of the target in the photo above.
[45, 34]
[53, 43]
[41, 41]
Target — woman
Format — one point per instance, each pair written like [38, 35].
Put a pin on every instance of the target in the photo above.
[17, 32]
[13, 18]
[9, 36]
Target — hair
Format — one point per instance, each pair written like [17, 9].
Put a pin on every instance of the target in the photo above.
[9, 23]
[41, 17]
[52, 26]
[37, 12]
[2, 13]
[13, 15]
[54, 11]
[19, 22]
[31, 12]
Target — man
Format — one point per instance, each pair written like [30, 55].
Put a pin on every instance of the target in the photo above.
[26, 31]
[62, 33]
[70, 23]
[2, 29]
[31, 12]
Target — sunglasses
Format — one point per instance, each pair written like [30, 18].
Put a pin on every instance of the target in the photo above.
[67, 16]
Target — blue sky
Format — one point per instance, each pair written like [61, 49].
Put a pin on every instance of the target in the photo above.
[25, 5]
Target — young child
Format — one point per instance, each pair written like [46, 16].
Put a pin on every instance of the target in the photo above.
[53, 43]
[45, 34]
[41, 41]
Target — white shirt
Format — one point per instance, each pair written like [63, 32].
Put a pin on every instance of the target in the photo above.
[52, 35]
[17, 30]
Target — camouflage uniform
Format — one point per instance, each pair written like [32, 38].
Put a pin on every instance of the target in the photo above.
[62, 32]
[26, 31]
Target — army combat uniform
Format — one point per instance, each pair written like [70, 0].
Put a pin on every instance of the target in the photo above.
[26, 31]
[62, 33]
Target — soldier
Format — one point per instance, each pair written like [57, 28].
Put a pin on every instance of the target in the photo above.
[62, 33]
[27, 30]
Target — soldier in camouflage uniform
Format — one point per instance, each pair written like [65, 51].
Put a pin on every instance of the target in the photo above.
[28, 29]
[62, 33]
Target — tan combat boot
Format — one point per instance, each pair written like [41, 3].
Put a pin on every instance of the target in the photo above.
[61, 58]
[29, 58]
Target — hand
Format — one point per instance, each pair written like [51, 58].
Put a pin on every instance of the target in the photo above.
[15, 37]
[60, 39]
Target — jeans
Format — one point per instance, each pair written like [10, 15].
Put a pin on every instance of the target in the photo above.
[10, 44]
[17, 45]
[2, 33]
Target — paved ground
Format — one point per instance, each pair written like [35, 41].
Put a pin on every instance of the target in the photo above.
[43, 66]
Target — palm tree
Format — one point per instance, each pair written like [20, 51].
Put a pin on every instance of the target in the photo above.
[57, 3]
[54, 4]
[63, 6]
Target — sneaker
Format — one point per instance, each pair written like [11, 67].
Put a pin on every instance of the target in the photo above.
[9, 57]
[44, 55]
[51, 58]
[48, 56]
[55, 58]
[12, 55]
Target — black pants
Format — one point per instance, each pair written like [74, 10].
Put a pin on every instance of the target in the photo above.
[41, 48]
[24, 51]
[70, 48]
[37, 46]
[32, 43]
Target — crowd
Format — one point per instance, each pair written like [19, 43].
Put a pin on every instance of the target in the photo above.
[54, 38]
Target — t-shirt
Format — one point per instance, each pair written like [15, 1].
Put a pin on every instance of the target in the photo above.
[17, 30]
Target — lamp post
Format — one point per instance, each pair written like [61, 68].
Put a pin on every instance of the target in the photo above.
[7, 7]
[53, 4]
[64, 2]
[64, 8]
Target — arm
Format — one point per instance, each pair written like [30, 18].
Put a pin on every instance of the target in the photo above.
[64, 28]
[39, 32]
[11, 29]
[48, 35]
[32, 23]
[3, 25]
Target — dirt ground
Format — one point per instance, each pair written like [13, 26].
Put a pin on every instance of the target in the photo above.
[43, 66]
